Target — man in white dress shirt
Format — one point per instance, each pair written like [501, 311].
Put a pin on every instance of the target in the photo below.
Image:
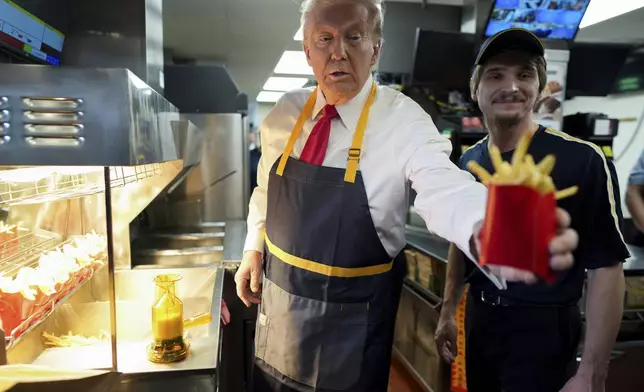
[327, 219]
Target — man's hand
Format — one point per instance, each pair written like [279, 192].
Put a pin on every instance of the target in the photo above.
[561, 248]
[248, 278]
[445, 338]
[583, 382]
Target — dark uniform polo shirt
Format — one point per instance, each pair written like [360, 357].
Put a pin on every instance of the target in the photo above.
[595, 211]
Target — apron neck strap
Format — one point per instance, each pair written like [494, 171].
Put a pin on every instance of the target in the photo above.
[358, 136]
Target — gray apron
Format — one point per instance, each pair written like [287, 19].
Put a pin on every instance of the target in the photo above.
[330, 291]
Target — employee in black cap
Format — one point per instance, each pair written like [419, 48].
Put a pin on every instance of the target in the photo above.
[525, 338]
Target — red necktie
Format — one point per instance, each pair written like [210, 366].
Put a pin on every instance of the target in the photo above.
[318, 141]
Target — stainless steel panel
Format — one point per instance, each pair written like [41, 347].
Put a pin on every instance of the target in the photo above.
[179, 240]
[121, 119]
[188, 257]
[214, 190]
[234, 241]
[221, 174]
[188, 140]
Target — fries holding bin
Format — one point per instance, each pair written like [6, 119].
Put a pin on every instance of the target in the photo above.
[520, 219]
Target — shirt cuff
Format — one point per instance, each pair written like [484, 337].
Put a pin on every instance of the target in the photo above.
[463, 242]
[467, 229]
[254, 241]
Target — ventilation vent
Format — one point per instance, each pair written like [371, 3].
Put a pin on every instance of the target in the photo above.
[53, 121]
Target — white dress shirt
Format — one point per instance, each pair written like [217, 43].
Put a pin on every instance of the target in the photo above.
[401, 145]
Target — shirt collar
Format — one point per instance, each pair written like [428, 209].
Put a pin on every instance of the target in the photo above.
[350, 111]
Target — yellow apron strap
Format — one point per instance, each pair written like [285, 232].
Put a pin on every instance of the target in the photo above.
[306, 112]
[358, 136]
[356, 145]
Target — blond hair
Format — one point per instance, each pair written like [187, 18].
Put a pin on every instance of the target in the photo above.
[375, 7]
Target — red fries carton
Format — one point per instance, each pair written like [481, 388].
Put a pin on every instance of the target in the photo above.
[519, 224]
[520, 219]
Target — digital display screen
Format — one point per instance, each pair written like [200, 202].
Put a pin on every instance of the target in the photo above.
[23, 32]
[547, 19]
[631, 76]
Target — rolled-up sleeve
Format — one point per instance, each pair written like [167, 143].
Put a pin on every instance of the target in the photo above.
[448, 199]
[637, 174]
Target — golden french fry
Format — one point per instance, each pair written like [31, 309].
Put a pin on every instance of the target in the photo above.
[480, 171]
[546, 185]
[562, 194]
[506, 172]
[547, 164]
[522, 174]
[520, 151]
[535, 177]
[522, 171]
[529, 160]
[495, 156]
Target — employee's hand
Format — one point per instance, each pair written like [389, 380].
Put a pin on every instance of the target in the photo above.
[248, 278]
[561, 248]
[445, 338]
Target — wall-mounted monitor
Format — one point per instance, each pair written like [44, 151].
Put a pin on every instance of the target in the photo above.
[593, 68]
[23, 33]
[444, 60]
[548, 19]
[631, 76]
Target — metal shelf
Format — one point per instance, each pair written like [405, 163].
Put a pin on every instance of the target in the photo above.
[33, 185]
[25, 250]
[32, 322]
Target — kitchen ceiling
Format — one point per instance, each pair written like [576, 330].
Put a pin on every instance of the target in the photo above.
[250, 36]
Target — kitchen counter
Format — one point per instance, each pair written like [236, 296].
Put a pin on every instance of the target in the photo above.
[115, 382]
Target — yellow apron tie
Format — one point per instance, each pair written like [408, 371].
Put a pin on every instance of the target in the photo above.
[358, 136]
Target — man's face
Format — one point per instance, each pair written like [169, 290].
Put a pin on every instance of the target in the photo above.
[508, 89]
[340, 47]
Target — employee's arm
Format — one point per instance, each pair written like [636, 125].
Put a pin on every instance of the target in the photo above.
[604, 307]
[635, 204]
[601, 250]
[455, 281]
[635, 194]
[446, 330]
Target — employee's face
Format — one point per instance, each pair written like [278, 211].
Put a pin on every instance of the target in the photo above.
[341, 48]
[508, 89]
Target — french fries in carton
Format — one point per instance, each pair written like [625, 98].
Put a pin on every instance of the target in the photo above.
[520, 219]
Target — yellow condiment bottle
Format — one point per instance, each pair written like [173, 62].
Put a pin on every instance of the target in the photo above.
[167, 322]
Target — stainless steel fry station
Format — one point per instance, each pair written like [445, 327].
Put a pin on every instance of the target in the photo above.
[97, 270]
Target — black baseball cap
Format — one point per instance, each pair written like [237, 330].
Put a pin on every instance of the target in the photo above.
[511, 39]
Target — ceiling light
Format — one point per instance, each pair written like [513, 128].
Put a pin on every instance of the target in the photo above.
[293, 62]
[276, 83]
[299, 35]
[269, 96]
[601, 10]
